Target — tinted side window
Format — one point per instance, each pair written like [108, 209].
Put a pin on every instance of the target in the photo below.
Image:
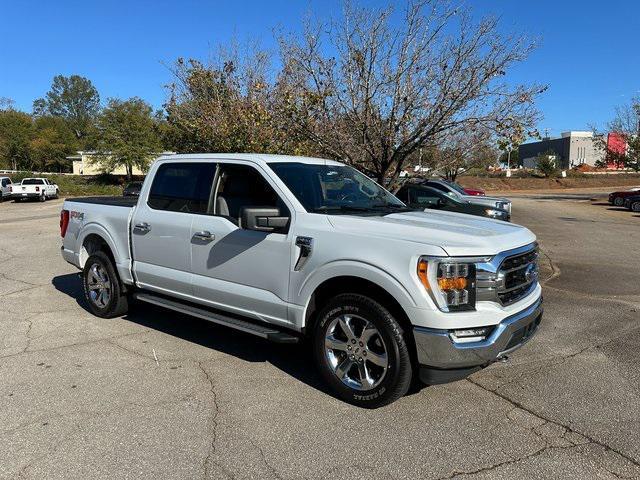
[182, 187]
[438, 186]
[423, 197]
[403, 194]
[243, 186]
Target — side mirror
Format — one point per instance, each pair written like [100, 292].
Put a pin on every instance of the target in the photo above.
[263, 219]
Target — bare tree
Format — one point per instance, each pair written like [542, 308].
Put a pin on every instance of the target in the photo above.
[372, 93]
[458, 151]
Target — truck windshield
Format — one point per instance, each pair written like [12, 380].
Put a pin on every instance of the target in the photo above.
[32, 181]
[335, 189]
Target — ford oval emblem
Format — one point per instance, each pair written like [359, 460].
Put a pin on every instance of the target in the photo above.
[531, 273]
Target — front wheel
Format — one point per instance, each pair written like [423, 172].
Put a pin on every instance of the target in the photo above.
[43, 197]
[361, 352]
[618, 201]
[102, 287]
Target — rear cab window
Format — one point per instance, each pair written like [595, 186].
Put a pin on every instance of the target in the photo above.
[182, 187]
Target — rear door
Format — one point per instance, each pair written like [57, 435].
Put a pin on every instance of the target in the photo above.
[161, 227]
[235, 269]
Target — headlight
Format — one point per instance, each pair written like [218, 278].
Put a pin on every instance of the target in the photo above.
[493, 213]
[450, 283]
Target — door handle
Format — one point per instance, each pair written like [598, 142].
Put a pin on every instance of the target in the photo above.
[143, 227]
[204, 235]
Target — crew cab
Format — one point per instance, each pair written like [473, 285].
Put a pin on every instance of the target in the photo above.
[456, 191]
[5, 187]
[34, 188]
[302, 249]
[420, 197]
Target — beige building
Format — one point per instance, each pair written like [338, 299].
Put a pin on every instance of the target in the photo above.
[84, 164]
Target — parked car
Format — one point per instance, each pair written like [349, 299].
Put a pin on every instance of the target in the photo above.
[34, 188]
[5, 188]
[618, 198]
[456, 191]
[287, 248]
[474, 191]
[422, 197]
[632, 203]
[132, 189]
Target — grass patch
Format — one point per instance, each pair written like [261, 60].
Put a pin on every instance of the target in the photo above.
[81, 186]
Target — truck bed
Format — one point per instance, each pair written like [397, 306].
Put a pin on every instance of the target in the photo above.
[111, 201]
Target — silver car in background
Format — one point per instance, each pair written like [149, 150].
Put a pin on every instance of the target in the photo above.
[456, 191]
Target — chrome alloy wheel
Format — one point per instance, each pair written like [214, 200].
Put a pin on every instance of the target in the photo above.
[99, 286]
[356, 352]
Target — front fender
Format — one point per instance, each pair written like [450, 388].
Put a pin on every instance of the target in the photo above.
[352, 268]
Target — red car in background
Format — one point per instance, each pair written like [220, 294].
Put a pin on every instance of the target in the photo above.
[617, 198]
[474, 191]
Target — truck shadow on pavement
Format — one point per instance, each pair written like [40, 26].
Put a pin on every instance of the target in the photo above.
[295, 360]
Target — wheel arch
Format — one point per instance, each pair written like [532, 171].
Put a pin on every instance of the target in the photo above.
[91, 243]
[333, 286]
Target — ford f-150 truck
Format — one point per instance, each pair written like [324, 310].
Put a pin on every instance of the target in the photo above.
[301, 249]
[35, 188]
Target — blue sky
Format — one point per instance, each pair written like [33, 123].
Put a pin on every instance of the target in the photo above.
[589, 55]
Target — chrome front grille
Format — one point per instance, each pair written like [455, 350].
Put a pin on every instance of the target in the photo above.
[508, 277]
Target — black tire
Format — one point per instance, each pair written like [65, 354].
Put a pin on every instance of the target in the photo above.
[635, 206]
[43, 197]
[618, 201]
[117, 304]
[395, 381]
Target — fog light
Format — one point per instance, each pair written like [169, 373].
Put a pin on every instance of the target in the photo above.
[468, 335]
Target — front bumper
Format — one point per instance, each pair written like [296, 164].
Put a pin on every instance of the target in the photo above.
[436, 349]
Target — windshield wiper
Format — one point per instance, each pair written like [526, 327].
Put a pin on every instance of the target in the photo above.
[343, 208]
[395, 208]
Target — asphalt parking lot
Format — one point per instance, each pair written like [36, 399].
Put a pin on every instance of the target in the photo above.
[159, 395]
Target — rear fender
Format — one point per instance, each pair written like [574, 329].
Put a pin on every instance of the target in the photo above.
[119, 249]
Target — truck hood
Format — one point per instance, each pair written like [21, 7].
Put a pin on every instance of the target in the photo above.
[456, 233]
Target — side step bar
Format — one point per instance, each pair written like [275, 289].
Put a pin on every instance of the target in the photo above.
[264, 331]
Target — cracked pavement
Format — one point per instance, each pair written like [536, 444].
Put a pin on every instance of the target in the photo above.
[155, 394]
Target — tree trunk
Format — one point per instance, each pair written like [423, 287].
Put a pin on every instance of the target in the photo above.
[129, 173]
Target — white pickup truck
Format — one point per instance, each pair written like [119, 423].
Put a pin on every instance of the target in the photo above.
[34, 188]
[293, 249]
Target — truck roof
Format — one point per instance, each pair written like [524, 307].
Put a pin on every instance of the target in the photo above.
[260, 158]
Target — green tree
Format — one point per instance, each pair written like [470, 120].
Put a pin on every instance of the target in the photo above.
[52, 142]
[227, 106]
[546, 163]
[126, 135]
[73, 98]
[15, 135]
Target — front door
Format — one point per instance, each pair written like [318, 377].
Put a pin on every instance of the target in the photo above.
[235, 269]
[161, 227]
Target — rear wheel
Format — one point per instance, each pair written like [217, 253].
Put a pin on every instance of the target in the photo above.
[618, 201]
[42, 197]
[361, 352]
[102, 287]
[635, 206]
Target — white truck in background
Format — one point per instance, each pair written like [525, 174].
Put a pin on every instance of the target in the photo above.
[34, 188]
[293, 248]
